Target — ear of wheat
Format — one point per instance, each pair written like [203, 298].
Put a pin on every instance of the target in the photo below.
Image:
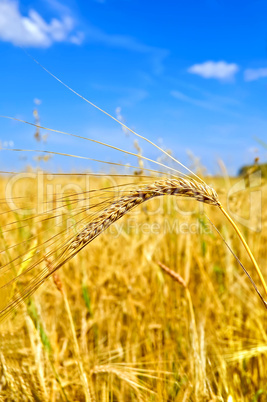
[177, 185]
[181, 187]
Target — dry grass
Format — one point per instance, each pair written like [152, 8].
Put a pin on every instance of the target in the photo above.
[120, 330]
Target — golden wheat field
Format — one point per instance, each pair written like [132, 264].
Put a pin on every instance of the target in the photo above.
[111, 324]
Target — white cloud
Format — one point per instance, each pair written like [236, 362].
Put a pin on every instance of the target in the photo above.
[254, 74]
[33, 30]
[77, 39]
[219, 70]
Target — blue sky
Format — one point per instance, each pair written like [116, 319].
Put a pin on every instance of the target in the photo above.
[189, 75]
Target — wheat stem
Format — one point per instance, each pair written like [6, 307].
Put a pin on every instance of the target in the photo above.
[254, 262]
[59, 285]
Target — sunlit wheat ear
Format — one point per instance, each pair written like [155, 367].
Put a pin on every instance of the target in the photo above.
[178, 187]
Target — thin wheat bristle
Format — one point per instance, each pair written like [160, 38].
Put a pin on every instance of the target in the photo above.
[179, 187]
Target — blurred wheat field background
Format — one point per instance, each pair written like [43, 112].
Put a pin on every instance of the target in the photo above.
[112, 325]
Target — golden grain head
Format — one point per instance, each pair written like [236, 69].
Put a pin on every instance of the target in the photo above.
[178, 187]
